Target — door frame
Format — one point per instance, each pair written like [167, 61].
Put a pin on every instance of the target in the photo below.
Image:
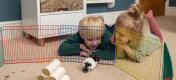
[169, 11]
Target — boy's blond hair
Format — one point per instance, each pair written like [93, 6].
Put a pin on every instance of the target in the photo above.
[91, 27]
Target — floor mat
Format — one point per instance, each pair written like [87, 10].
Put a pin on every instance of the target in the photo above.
[79, 59]
[149, 69]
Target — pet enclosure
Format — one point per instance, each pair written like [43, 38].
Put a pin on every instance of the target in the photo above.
[148, 51]
[19, 48]
[1, 49]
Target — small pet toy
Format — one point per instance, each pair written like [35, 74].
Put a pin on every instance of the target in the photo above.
[90, 63]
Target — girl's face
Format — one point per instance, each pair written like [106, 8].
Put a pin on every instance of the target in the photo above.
[92, 43]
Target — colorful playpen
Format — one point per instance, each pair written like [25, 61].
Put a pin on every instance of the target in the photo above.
[15, 48]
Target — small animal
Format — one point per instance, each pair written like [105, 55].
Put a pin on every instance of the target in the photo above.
[90, 63]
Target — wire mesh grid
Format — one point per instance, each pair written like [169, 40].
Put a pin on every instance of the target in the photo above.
[1, 49]
[147, 56]
[21, 43]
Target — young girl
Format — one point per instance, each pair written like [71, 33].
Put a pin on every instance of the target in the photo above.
[92, 39]
[129, 38]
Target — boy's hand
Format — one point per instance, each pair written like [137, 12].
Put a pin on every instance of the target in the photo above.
[84, 54]
[92, 51]
[84, 48]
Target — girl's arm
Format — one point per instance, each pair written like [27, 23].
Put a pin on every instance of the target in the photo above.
[154, 28]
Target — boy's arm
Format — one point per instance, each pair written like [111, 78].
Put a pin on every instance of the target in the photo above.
[71, 46]
[106, 50]
[106, 53]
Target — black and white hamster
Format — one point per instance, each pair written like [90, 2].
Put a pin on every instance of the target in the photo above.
[90, 63]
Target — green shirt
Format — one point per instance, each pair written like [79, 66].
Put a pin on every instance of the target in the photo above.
[105, 50]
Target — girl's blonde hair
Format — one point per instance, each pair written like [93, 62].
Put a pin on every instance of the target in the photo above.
[91, 27]
[130, 25]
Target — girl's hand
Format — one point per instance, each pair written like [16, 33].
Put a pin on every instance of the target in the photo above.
[113, 39]
[84, 54]
[128, 50]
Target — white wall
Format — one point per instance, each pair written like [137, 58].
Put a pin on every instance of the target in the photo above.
[12, 29]
[109, 17]
[170, 11]
[137, 1]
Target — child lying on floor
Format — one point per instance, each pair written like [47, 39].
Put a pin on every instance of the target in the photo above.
[129, 38]
[92, 39]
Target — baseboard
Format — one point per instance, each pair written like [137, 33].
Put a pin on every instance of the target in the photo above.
[10, 23]
[171, 11]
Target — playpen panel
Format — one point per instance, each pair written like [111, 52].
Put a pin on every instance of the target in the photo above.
[60, 19]
[19, 49]
[1, 49]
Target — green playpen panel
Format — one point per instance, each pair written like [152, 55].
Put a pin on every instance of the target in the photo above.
[1, 49]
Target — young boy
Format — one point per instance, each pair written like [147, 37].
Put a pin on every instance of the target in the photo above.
[91, 39]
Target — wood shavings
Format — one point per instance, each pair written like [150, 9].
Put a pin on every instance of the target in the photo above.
[23, 71]
[13, 72]
[7, 76]
[55, 5]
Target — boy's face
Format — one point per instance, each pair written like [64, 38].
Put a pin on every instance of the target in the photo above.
[92, 43]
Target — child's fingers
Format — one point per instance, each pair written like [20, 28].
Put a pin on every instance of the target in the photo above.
[113, 40]
[128, 50]
[90, 53]
[83, 47]
[87, 51]
[82, 53]
[93, 50]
